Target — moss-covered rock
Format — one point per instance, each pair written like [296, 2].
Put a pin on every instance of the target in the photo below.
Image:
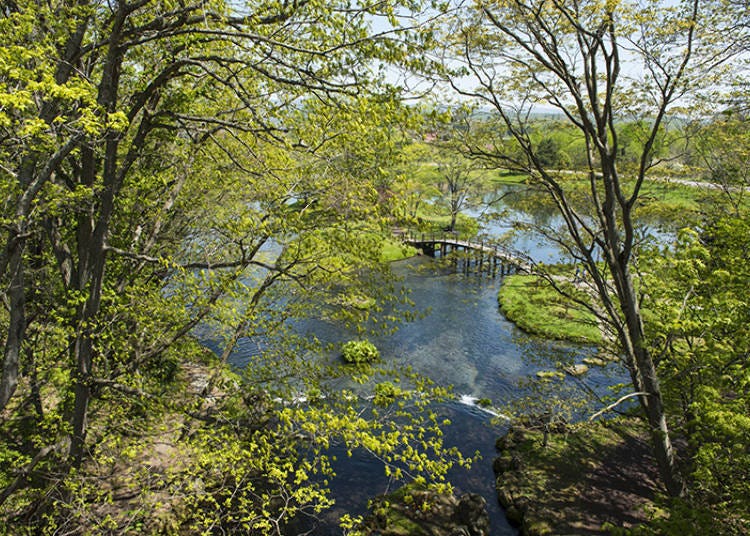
[418, 512]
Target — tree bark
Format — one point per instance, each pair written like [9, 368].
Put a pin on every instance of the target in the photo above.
[17, 321]
[647, 380]
[91, 239]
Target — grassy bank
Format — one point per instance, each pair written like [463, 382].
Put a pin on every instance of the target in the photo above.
[534, 306]
[506, 177]
[431, 218]
[663, 200]
[428, 174]
[659, 200]
[394, 250]
[585, 481]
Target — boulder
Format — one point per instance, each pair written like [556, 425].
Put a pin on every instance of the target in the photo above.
[427, 513]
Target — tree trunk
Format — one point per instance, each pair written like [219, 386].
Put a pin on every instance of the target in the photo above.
[646, 380]
[17, 321]
[654, 407]
[92, 235]
[33, 173]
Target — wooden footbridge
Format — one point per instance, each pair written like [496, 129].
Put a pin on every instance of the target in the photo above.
[477, 255]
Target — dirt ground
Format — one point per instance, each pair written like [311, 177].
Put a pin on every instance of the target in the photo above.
[583, 482]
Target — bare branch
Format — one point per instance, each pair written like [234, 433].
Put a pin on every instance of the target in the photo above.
[617, 403]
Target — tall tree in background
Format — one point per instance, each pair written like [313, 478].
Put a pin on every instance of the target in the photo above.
[455, 182]
[596, 63]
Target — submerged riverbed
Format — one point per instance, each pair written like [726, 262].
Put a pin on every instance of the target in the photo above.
[461, 340]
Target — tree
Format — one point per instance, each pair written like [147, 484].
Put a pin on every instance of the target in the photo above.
[455, 176]
[458, 176]
[698, 327]
[597, 64]
[723, 148]
[548, 153]
[414, 185]
[164, 167]
[123, 89]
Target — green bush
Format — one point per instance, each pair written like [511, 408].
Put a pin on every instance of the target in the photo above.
[484, 403]
[360, 352]
[386, 393]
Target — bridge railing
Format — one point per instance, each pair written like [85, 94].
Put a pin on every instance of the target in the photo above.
[475, 242]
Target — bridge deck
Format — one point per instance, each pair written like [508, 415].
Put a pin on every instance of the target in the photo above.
[520, 260]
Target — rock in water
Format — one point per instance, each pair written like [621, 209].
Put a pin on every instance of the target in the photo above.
[472, 513]
[410, 512]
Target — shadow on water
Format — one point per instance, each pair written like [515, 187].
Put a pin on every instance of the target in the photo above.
[361, 477]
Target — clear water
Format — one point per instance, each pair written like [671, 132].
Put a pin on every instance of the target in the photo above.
[463, 341]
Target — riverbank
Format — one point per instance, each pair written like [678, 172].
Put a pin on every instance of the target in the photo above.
[588, 479]
[414, 511]
[532, 304]
[395, 250]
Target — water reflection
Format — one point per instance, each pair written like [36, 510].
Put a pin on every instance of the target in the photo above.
[525, 219]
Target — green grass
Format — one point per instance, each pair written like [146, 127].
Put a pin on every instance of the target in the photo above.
[659, 199]
[506, 177]
[430, 219]
[396, 251]
[534, 306]
[549, 480]
[428, 174]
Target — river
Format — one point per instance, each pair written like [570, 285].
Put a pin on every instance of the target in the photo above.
[462, 340]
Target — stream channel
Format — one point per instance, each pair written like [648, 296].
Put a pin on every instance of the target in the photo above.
[464, 341]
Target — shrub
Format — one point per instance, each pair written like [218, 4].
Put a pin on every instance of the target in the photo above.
[484, 403]
[360, 352]
[386, 393]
